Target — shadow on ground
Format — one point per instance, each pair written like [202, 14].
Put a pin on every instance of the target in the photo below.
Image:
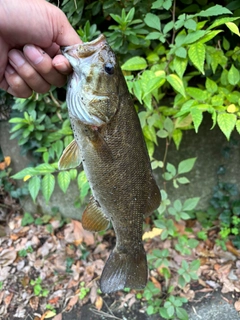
[210, 306]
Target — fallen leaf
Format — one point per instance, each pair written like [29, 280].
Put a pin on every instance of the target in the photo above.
[237, 305]
[54, 300]
[99, 303]
[8, 299]
[5, 163]
[34, 302]
[7, 257]
[71, 303]
[58, 317]
[152, 234]
[48, 314]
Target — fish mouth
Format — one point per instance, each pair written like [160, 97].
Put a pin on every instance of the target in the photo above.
[83, 50]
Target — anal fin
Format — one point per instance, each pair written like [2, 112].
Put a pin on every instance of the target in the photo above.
[71, 157]
[93, 219]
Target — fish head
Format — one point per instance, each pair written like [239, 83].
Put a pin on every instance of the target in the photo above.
[93, 88]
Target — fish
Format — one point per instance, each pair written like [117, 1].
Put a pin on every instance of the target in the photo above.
[109, 143]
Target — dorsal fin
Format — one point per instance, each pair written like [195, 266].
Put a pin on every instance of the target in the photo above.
[93, 219]
[71, 157]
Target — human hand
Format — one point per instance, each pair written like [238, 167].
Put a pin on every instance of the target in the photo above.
[31, 33]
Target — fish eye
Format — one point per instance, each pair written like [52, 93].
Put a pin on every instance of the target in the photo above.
[109, 68]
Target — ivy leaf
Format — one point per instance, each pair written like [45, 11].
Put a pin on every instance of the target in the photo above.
[135, 63]
[176, 83]
[226, 122]
[64, 180]
[48, 183]
[186, 165]
[196, 54]
[34, 187]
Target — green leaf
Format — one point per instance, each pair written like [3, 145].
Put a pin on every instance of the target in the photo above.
[226, 122]
[176, 83]
[44, 168]
[177, 137]
[233, 75]
[233, 27]
[196, 54]
[211, 86]
[48, 184]
[152, 21]
[190, 204]
[186, 165]
[153, 84]
[197, 117]
[181, 52]
[135, 63]
[182, 314]
[150, 133]
[27, 219]
[183, 180]
[64, 180]
[34, 187]
[190, 24]
[196, 93]
[221, 21]
[209, 35]
[238, 126]
[213, 11]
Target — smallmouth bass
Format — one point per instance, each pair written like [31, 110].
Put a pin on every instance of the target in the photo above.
[108, 141]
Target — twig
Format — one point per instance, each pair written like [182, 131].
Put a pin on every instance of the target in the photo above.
[99, 312]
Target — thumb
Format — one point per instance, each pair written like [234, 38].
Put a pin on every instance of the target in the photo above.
[64, 33]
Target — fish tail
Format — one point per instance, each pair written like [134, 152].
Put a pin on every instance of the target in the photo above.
[124, 270]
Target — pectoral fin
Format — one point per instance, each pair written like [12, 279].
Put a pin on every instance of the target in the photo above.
[93, 219]
[71, 157]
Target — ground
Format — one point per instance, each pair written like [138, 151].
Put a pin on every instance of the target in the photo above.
[49, 269]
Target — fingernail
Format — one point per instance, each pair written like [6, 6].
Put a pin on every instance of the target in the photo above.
[33, 54]
[15, 58]
[9, 69]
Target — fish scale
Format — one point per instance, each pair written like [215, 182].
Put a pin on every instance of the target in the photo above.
[110, 144]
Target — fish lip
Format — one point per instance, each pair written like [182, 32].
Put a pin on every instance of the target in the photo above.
[85, 49]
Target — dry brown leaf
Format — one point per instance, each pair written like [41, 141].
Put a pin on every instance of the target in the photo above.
[54, 300]
[99, 303]
[34, 302]
[232, 249]
[5, 163]
[237, 305]
[7, 257]
[58, 317]
[156, 283]
[72, 303]
[8, 299]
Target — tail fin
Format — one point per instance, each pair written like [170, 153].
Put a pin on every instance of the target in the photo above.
[124, 270]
